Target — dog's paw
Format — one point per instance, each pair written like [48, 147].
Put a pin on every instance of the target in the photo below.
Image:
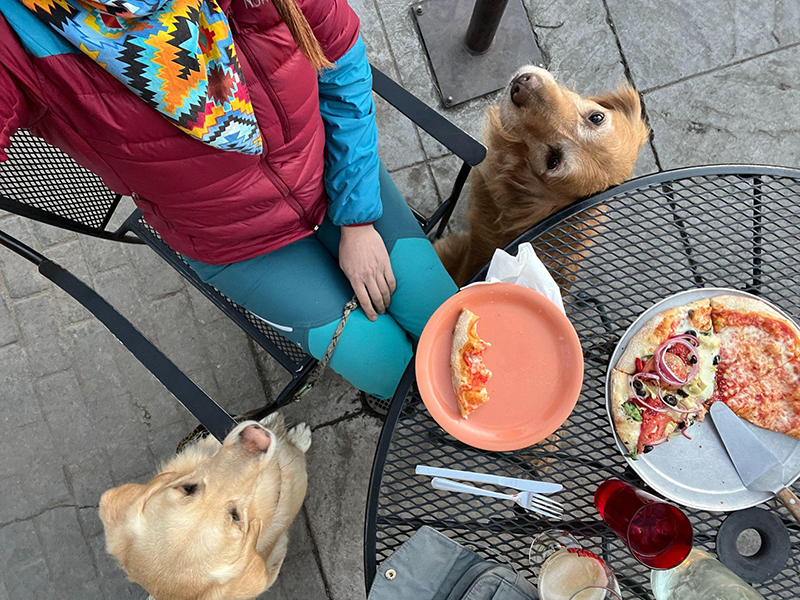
[300, 436]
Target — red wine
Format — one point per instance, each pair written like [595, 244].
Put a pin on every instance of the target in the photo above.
[658, 534]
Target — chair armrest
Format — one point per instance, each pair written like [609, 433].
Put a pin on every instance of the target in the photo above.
[459, 142]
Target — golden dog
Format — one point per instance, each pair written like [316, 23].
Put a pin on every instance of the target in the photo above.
[547, 147]
[212, 525]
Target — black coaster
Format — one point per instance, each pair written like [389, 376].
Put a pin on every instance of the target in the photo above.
[770, 557]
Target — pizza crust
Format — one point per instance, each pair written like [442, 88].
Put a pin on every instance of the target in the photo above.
[743, 303]
[469, 395]
[626, 427]
[655, 331]
[460, 339]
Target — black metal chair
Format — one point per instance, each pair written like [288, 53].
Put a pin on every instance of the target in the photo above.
[40, 182]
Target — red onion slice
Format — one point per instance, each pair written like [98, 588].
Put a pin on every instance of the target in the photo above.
[663, 369]
[684, 434]
[640, 399]
[688, 336]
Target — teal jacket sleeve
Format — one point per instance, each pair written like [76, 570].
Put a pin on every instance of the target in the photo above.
[351, 138]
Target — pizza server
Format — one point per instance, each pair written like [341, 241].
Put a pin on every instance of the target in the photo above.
[759, 469]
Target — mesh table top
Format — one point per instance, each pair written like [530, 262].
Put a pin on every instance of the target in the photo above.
[616, 254]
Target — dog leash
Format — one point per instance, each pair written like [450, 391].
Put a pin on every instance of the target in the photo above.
[200, 431]
[320, 367]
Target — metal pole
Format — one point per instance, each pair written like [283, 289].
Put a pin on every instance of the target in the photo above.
[484, 23]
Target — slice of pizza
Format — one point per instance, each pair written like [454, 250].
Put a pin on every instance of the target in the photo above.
[759, 369]
[466, 363]
[755, 337]
[664, 377]
[770, 401]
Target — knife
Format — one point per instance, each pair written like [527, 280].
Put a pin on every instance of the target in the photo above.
[759, 469]
[523, 485]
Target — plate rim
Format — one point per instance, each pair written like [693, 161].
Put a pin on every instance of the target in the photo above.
[500, 447]
[634, 327]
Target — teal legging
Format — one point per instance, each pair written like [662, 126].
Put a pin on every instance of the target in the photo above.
[301, 291]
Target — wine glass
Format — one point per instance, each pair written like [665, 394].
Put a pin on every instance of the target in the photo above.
[568, 572]
[658, 534]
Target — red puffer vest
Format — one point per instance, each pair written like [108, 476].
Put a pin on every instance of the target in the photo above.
[214, 206]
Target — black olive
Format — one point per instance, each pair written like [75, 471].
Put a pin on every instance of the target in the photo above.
[691, 332]
[716, 360]
[692, 360]
[638, 387]
[682, 394]
[681, 425]
[649, 449]
[671, 400]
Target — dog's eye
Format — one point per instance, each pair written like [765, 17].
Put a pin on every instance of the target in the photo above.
[553, 159]
[597, 117]
[235, 515]
[189, 488]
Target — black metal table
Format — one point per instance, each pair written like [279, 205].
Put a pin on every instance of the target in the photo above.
[720, 226]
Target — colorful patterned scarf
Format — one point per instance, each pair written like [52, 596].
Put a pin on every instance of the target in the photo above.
[176, 55]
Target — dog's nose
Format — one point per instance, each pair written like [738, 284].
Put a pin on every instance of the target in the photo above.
[524, 87]
[255, 439]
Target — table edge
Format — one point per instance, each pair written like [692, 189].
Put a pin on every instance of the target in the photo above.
[376, 474]
[632, 184]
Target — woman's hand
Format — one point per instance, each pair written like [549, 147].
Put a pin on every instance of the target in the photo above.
[365, 262]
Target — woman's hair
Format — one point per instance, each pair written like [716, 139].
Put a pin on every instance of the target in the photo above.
[301, 31]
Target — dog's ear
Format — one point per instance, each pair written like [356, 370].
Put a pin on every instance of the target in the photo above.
[625, 100]
[116, 502]
[253, 579]
[252, 582]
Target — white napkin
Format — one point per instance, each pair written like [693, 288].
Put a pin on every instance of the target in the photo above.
[523, 269]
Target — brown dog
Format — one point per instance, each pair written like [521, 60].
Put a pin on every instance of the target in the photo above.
[548, 147]
[213, 524]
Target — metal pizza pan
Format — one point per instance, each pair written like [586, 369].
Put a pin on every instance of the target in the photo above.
[698, 473]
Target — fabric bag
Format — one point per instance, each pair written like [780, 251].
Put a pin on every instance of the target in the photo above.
[430, 566]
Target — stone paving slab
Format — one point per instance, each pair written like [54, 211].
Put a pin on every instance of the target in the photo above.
[668, 40]
[746, 113]
[577, 43]
[340, 459]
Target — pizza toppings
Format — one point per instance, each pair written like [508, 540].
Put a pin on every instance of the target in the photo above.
[633, 411]
[673, 376]
[749, 359]
[470, 374]
[656, 429]
[676, 360]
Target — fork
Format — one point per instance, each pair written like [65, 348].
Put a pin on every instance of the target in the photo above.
[528, 500]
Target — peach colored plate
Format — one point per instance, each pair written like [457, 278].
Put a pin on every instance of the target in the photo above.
[535, 359]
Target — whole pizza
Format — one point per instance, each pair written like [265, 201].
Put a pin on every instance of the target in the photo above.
[732, 349]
